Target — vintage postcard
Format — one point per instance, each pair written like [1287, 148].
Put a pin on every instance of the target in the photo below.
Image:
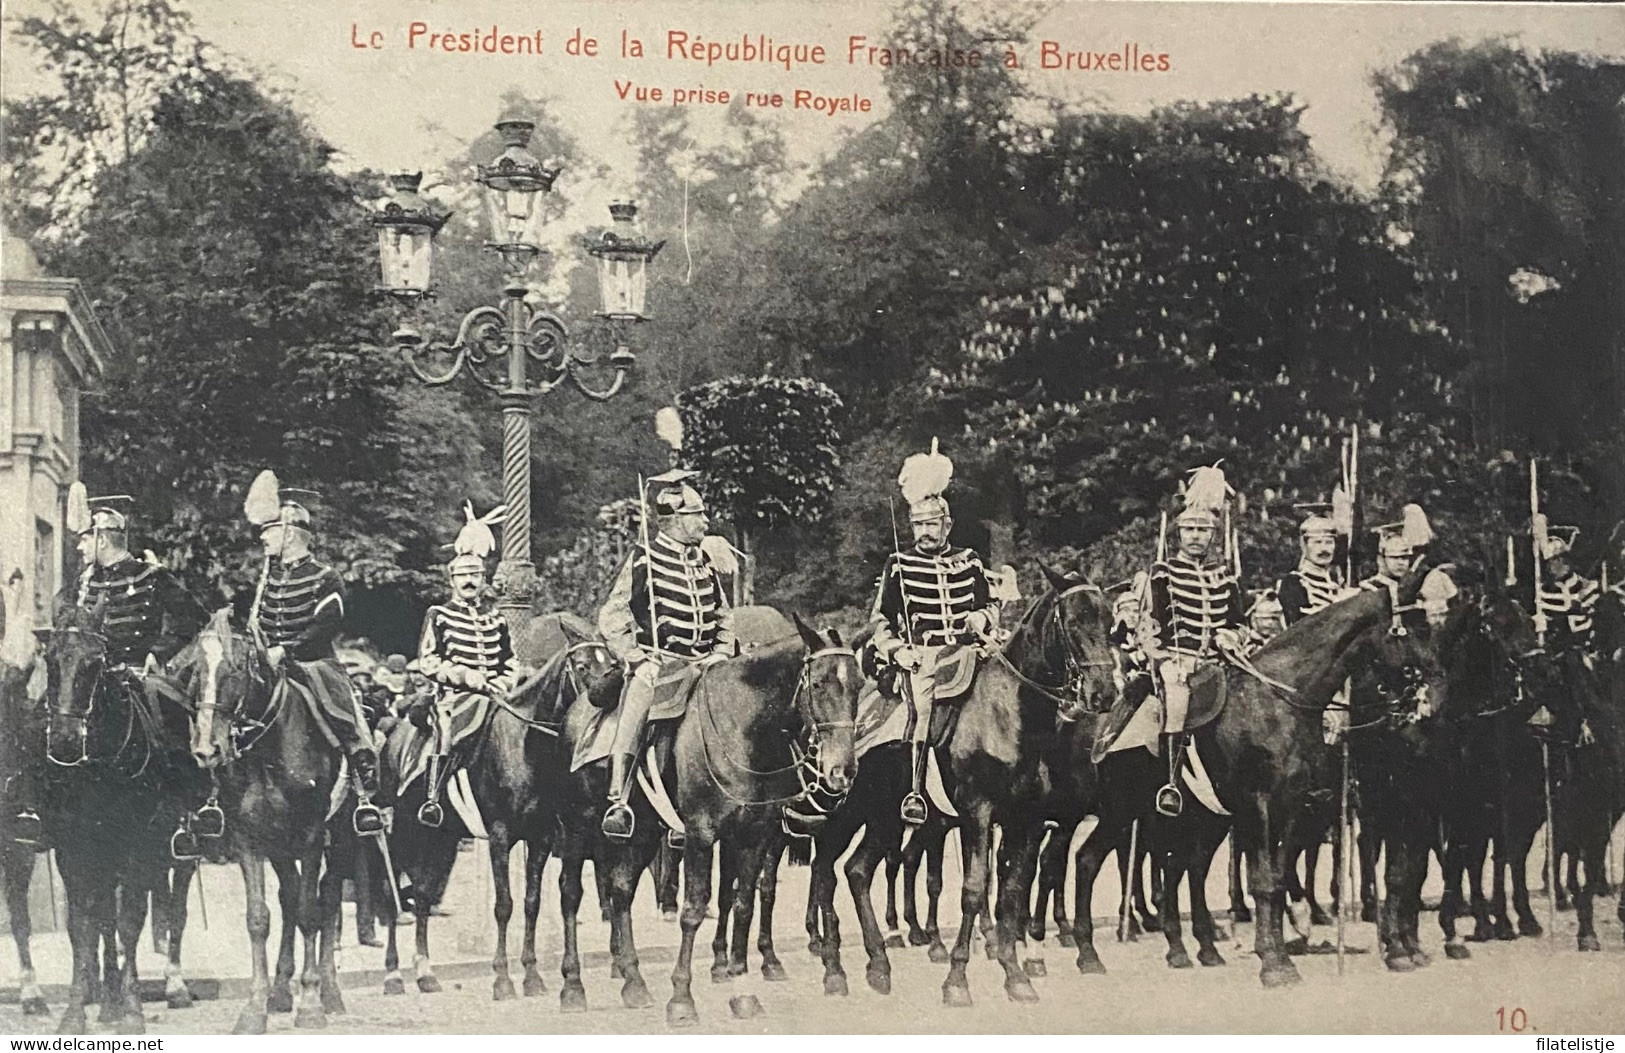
[900, 517]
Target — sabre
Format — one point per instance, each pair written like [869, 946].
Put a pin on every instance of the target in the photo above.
[908, 622]
[202, 900]
[1131, 874]
[389, 869]
[648, 562]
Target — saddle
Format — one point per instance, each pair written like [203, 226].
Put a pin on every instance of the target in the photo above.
[1209, 690]
[1110, 725]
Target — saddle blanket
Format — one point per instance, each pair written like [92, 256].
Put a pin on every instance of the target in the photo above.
[654, 791]
[1199, 783]
[883, 718]
[596, 740]
[1142, 729]
[467, 713]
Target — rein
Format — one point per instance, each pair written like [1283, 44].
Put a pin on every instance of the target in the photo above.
[135, 712]
[1075, 665]
[546, 727]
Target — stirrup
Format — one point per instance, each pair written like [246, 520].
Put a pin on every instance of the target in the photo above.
[676, 839]
[1170, 801]
[210, 820]
[619, 822]
[367, 820]
[913, 811]
[27, 828]
[430, 814]
[183, 846]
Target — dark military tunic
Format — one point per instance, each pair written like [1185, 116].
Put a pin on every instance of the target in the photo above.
[1190, 603]
[459, 636]
[1304, 591]
[301, 609]
[925, 598]
[1570, 606]
[690, 619]
[147, 610]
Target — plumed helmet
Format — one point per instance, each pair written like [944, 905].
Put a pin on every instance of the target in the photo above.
[1317, 526]
[923, 479]
[1197, 517]
[270, 504]
[671, 495]
[1205, 495]
[474, 541]
[1559, 541]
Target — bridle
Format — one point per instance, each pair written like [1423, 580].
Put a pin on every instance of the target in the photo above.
[1067, 697]
[806, 761]
[135, 712]
[246, 732]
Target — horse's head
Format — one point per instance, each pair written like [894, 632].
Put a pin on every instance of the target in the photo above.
[827, 696]
[75, 658]
[1076, 640]
[226, 668]
[594, 670]
[1409, 654]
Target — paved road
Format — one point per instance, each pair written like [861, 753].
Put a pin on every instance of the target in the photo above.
[1560, 990]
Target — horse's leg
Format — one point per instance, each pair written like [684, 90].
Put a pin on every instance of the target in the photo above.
[1205, 844]
[159, 913]
[976, 834]
[628, 866]
[894, 864]
[330, 904]
[825, 930]
[1267, 857]
[536, 853]
[1569, 888]
[573, 995]
[912, 855]
[1500, 907]
[394, 983]
[1047, 882]
[1062, 857]
[176, 993]
[696, 897]
[422, 964]
[19, 872]
[310, 1012]
[747, 871]
[1128, 923]
[1590, 846]
[1020, 848]
[726, 880]
[1311, 869]
[499, 849]
[1239, 911]
[280, 999]
[768, 888]
[1149, 921]
[1369, 846]
[251, 1018]
[82, 937]
[878, 842]
[1450, 906]
[1476, 852]
[1521, 847]
[1086, 868]
[110, 993]
[934, 850]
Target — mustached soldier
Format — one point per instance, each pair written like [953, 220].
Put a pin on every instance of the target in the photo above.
[296, 615]
[932, 596]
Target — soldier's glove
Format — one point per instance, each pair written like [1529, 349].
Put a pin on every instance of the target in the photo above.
[474, 679]
[714, 658]
[151, 665]
[908, 658]
[978, 624]
[275, 654]
[421, 714]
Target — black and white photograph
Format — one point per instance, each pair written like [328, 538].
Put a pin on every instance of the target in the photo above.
[905, 517]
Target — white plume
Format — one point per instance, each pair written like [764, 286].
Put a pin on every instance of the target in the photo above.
[264, 501]
[1342, 512]
[78, 516]
[1414, 526]
[1207, 489]
[475, 538]
[669, 427]
[925, 475]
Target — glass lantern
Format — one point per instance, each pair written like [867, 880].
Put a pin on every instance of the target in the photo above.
[514, 184]
[407, 224]
[623, 257]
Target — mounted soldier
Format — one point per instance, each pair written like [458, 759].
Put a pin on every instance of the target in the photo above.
[466, 653]
[297, 612]
[1398, 545]
[1315, 584]
[1197, 615]
[667, 613]
[1567, 599]
[933, 599]
[148, 616]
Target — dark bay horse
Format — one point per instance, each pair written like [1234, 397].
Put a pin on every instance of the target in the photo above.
[1264, 748]
[118, 782]
[734, 771]
[276, 774]
[1058, 656]
[22, 753]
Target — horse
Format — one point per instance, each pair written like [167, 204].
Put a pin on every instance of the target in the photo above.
[1264, 748]
[734, 771]
[1057, 658]
[22, 749]
[118, 782]
[276, 774]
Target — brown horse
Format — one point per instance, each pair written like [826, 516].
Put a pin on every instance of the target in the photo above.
[22, 751]
[276, 774]
[1058, 658]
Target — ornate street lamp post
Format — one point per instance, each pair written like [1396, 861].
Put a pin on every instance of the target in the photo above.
[516, 350]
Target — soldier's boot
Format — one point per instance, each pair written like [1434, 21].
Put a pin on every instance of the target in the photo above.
[431, 814]
[26, 827]
[367, 819]
[619, 821]
[1170, 801]
[914, 810]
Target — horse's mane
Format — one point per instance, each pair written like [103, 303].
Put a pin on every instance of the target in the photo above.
[774, 665]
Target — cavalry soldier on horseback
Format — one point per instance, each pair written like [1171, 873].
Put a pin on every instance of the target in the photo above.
[465, 651]
[297, 611]
[1197, 616]
[1314, 583]
[932, 596]
[148, 616]
[1397, 547]
[666, 609]
[1567, 599]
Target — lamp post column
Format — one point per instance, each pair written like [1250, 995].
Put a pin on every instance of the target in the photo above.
[515, 578]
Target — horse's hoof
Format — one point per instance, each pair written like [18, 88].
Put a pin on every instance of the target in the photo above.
[394, 985]
[333, 999]
[1298, 946]
[615, 972]
[310, 1017]
[895, 941]
[1151, 924]
[1421, 959]
[681, 1014]
[1318, 915]
[1505, 932]
[1090, 964]
[745, 1007]
[35, 1006]
[918, 938]
[534, 985]
[1274, 976]
[1220, 933]
[1457, 952]
[669, 916]
[1179, 958]
[280, 1000]
[429, 983]
[835, 985]
[720, 973]
[1241, 914]
[937, 953]
[132, 1024]
[1066, 939]
[1017, 989]
[1368, 912]
[573, 999]
[74, 1023]
[1530, 927]
[249, 1022]
[635, 995]
[1209, 956]
[1589, 942]
[773, 971]
[1035, 967]
[1035, 931]
[502, 989]
[111, 1013]
[1400, 963]
[956, 996]
[177, 997]
[815, 947]
[879, 980]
